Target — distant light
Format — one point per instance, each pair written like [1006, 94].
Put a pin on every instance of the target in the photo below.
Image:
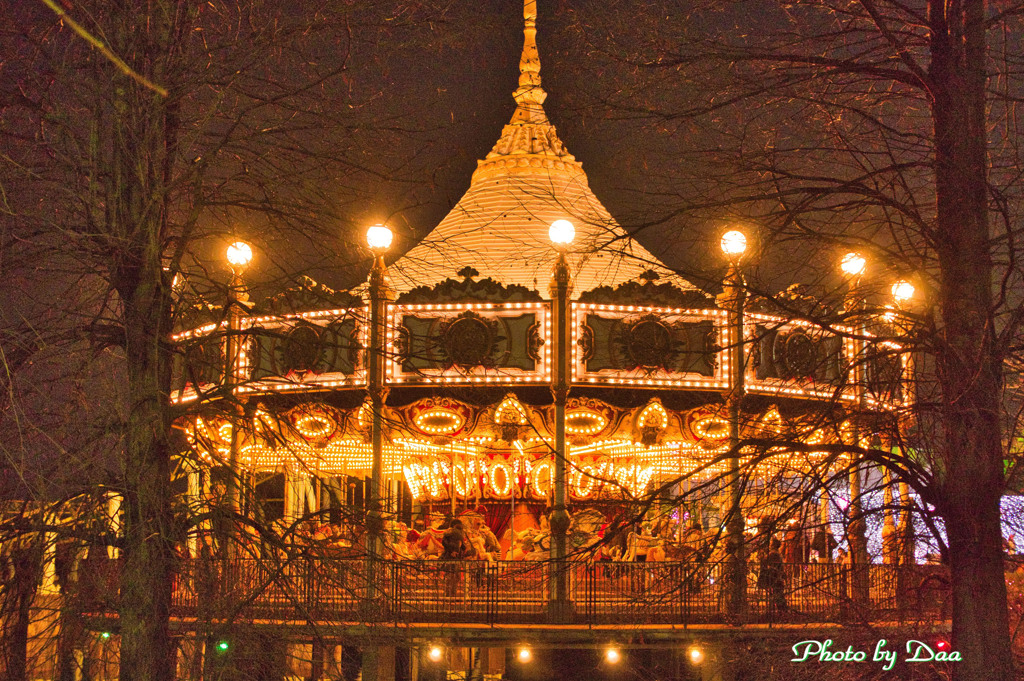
[612, 655]
[734, 243]
[853, 264]
[223, 646]
[561, 232]
[239, 254]
[696, 655]
[942, 645]
[902, 291]
[525, 655]
[436, 653]
[105, 635]
[379, 238]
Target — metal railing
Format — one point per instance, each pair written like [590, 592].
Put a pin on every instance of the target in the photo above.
[323, 589]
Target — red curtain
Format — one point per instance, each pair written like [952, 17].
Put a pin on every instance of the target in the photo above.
[497, 515]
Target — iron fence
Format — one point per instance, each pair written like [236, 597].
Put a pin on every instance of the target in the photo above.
[678, 593]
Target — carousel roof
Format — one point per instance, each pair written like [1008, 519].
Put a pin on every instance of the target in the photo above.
[527, 181]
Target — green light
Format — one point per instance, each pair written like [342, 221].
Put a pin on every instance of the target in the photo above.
[222, 646]
[105, 635]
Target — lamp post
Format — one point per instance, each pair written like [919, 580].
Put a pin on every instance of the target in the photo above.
[378, 238]
[734, 246]
[853, 266]
[239, 255]
[902, 293]
[561, 234]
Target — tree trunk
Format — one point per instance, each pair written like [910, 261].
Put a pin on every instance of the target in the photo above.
[142, 151]
[147, 568]
[16, 596]
[969, 469]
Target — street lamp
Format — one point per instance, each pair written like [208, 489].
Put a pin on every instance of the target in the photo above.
[734, 246]
[853, 266]
[561, 234]
[903, 292]
[378, 238]
[238, 255]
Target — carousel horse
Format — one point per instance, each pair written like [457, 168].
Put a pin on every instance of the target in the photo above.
[429, 543]
[480, 536]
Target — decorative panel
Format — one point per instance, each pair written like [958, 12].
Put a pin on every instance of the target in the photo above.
[468, 342]
[644, 345]
[798, 353]
[306, 347]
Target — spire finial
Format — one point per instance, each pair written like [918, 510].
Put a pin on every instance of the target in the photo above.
[530, 95]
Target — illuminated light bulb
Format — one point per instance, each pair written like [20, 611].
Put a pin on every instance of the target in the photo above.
[561, 232]
[222, 646]
[902, 291]
[612, 655]
[525, 655]
[734, 243]
[696, 655]
[379, 237]
[239, 254]
[853, 264]
[435, 653]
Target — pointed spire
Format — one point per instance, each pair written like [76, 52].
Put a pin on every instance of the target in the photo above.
[529, 143]
[530, 95]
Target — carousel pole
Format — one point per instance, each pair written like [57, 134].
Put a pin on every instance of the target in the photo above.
[734, 245]
[562, 234]
[852, 266]
[512, 517]
[379, 239]
[239, 255]
[902, 292]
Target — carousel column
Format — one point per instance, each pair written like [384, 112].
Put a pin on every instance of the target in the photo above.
[239, 255]
[561, 233]
[379, 239]
[291, 511]
[734, 245]
[48, 583]
[113, 515]
[852, 266]
[890, 551]
[826, 527]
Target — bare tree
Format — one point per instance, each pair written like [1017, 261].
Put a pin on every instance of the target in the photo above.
[885, 127]
[130, 155]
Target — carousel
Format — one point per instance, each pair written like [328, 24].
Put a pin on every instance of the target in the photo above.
[528, 364]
